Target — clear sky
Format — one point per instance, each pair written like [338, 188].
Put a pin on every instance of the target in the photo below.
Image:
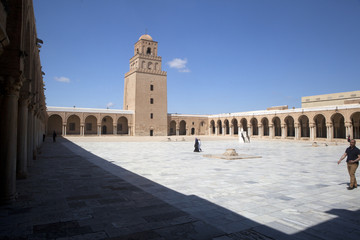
[221, 56]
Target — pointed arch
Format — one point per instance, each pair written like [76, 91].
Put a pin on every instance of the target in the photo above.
[304, 126]
[173, 127]
[277, 126]
[54, 124]
[254, 126]
[265, 124]
[290, 126]
[212, 124]
[73, 125]
[90, 125]
[338, 123]
[355, 121]
[122, 126]
[234, 123]
[320, 126]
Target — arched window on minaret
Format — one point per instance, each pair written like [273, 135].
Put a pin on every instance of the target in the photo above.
[148, 51]
[137, 50]
[149, 65]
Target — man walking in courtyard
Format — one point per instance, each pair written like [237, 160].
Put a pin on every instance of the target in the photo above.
[353, 157]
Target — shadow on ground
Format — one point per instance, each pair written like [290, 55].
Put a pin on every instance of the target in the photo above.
[73, 194]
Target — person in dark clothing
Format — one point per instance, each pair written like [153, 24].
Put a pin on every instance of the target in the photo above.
[54, 136]
[44, 137]
[353, 157]
[196, 145]
[348, 138]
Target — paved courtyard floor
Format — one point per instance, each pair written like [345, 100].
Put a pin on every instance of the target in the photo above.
[93, 189]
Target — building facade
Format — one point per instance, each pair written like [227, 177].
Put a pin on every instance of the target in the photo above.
[22, 100]
[326, 117]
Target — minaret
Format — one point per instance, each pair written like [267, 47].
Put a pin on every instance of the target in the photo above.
[145, 89]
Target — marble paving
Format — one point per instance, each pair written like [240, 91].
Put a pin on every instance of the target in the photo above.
[292, 188]
[82, 189]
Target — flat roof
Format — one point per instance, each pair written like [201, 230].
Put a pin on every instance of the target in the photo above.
[88, 110]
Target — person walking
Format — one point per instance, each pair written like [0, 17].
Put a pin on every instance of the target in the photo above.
[353, 156]
[196, 145]
[199, 141]
[54, 136]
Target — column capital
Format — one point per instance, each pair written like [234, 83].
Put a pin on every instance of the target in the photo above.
[12, 85]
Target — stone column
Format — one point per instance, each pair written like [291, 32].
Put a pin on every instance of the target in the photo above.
[216, 130]
[230, 130]
[271, 131]
[114, 129]
[239, 130]
[30, 134]
[296, 131]
[64, 130]
[249, 132]
[261, 131]
[8, 138]
[328, 134]
[312, 132]
[347, 130]
[351, 131]
[210, 131]
[99, 130]
[177, 131]
[283, 131]
[22, 138]
[81, 129]
[129, 131]
[224, 131]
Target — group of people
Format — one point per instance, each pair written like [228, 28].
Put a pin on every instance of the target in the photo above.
[197, 145]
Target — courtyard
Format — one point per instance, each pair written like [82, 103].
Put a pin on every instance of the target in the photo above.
[158, 188]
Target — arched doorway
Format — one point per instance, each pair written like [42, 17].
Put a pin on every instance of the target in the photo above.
[304, 126]
[289, 121]
[265, 124]
[73, 125]
[277, 126]
[122, 126]
[254, 126]
[235, 126]
[219, 127]
[182, 128]
[320, 125]
[54, 124]
[172, 128]
[338, 125]
[107, 125]
[90, 125]
[227, 127]
[192, 131]
[243, 123]
[212, 124]
[355, 120]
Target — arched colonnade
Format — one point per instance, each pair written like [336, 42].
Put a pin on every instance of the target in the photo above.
[187, 126]
[82, 124]
[326, 125]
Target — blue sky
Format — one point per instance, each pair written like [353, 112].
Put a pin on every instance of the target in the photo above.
[235, 55]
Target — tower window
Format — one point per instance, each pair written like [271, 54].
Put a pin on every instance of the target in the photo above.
[151, 116]
[151, 87]
[151, 101]
[148, 51]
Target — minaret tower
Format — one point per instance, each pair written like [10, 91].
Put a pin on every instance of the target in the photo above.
[145, 89]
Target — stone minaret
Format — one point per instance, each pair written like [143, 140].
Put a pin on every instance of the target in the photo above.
[145, 89]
